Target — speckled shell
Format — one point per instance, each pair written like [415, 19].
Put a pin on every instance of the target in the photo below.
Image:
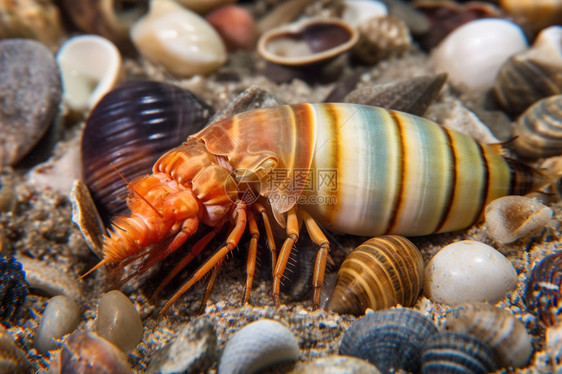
[85, 353]
[449, 352]
[307, 42]
[543, 295]
[131, 127]
[256, 346]
[13, 287]
[380, 273]
[538, 132]
[379, 337]
[497, 327]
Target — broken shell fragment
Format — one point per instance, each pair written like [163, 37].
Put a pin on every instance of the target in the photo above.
[203, 6]
[307, 42]
[534, 13]
[178, 39]
[12, 359]
[90, 67]
[510, 218]
[356, 12]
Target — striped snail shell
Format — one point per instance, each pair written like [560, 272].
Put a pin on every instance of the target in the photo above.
[450, 352]
[539, 129]
[131, 127]
[543, 295]
[391, 338]
[380, 273]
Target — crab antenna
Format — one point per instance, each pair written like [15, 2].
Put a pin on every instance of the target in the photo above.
[135, 191]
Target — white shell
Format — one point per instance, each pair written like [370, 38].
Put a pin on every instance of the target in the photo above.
[357, 11]
[514, 217]
[256, 346]
[468, 271]
[473, 53]
[90, 67]
[178, 39]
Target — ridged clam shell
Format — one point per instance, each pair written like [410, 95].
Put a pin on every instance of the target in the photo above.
[497, 327]
[388, 339]
[449, 352]
[538, 132]
[256, 346]
[543, 295]
[131, 127]
[380, 273]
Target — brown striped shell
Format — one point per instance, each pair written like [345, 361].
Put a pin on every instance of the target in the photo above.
[543, 295]
[539, 129]
[380, 273]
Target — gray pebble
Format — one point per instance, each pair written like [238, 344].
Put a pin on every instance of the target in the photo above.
[118, 321]
[30, 93]
[194, 350]
[61, 317]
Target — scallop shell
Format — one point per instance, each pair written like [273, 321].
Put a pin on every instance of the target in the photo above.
[378, 337]
[538, 132]
[529, 76]
[178, 39]
[256, 346]
[380, 273]
[90, 66]
[449, 352]
[307, 42]
[131, 127]
[497, 327]
[543, 294]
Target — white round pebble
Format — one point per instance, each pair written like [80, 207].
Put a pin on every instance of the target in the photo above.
[468, 271]
[61, 316]
[473, 53]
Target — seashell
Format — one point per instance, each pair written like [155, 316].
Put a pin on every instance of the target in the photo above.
[90, 67]
[84, 352]
[355, 12]
[235, 25]
[381, 38]
[309, 42]
[253, 97]
[535, 14]
[256, 346]
[543, 294]
[8, 198]
[538, 132]
[379, 336]
[131, 127]
[178, 39]
[529, 76]
[474, 52]
[31, 19]
[335, 364]
[449, 352]
[282, 14]
[413, 95]
[108, 18]
[204, 6]
[194, 350]
[61, 316]
[12, 359]
[378, 274]
[118, 321]
[510, 218]
[13, 287]
[86, 217]
[468, 271]
[497, 327]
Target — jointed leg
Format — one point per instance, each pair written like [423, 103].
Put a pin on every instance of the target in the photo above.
[231, 243]
[252, 253]
[216, 270]
[319, 239]
[258, 208]
[292, 237]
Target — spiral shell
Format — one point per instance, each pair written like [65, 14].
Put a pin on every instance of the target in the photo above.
[497, 327]
[388, 339]
[539, 129]
[131, 127]
[543, 295]
[449, 352]
[382, 272]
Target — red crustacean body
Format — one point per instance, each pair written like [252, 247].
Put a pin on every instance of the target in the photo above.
[354, 169]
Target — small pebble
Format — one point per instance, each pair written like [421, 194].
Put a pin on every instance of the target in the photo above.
[118, 321]
[468, 271]
[336, 364]
[194, 350]
[61, 316]
[510, 218]
[30, 93]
